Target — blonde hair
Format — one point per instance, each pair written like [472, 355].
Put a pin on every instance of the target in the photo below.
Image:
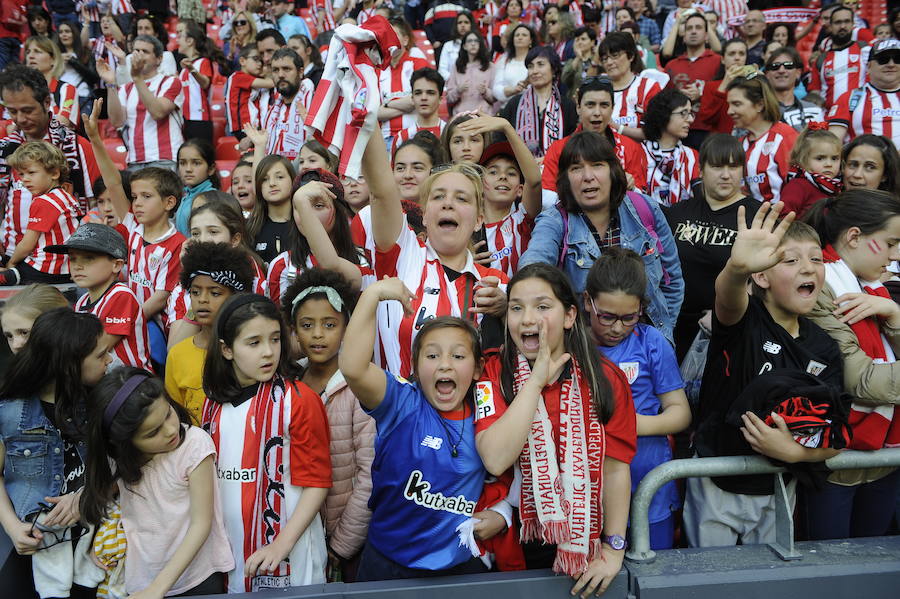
[802, 149]
[45, 44]
[468, 170]
[251, 28]
[47, 155]
[34, 300]
[757, 90]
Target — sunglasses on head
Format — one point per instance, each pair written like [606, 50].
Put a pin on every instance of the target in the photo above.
[788, 65]
[887, 57]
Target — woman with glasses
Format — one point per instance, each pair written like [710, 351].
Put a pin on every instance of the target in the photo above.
[43, 420]
[243, 33]
[541, 114]
[471, 80]
[712, 115]
[441, 273]
[595, 212]
[766, 140]
[704, 226]
[620, 57]
[671, 165]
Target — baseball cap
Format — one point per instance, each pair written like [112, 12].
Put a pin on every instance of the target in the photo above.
[93, 237]
[500, 148]
[882, 46]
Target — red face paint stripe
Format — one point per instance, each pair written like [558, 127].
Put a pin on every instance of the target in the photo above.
[874, 246]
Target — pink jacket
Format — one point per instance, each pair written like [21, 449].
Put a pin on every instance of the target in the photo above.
[346, 512]
[472, 98]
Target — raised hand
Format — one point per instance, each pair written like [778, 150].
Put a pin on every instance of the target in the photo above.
[484, 124]
[106, 73]
[259, 137]
[91, 127]
[546, 369]
[489, 298]
[137, 67]
[756, 248]
[115, 50]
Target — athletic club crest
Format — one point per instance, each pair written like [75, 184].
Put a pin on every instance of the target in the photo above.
[631, 370]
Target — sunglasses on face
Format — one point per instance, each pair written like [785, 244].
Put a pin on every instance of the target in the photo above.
[883, 59]
[788, 65]
[240, 23]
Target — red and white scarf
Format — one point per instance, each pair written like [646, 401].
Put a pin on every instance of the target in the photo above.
[263, 450]
[830, 186]
[873, 427]
[562, 493]
[528, 114]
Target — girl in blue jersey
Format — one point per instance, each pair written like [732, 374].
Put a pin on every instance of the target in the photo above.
[614, 301]
[427, 476]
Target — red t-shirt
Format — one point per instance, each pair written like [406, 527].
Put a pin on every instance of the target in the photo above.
[628, 151]
[685, 71]
[621, 430]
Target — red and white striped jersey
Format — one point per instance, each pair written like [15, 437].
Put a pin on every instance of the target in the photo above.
[284, 122]
[630, 103]
[101, 52]
[323, 11]
[196, 99]
[409, 132]
[120, 314]
[840, 71]
[147, 139]
[394, 83]
[179, 302]
[670, 172]
[283, 272]
[98, 8]
[868, 110]
[243, 104]
[727, 9]
[151, 266]
[508, 239]
[768, 161]
[859, 34]
[55, 215]
[418, 266]
[64, 100]
[365, 14]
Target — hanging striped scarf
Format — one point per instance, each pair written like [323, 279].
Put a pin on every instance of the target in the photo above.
[528, 114]
[263, 451]
[873, 427]
[562, 493]
[830, 186]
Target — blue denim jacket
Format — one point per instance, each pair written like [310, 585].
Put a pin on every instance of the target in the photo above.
[35, 465]
[664, 298]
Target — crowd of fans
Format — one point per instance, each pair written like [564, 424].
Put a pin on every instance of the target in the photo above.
[567, 243]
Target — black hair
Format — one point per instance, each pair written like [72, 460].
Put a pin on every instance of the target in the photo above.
[228, 210]
[889, 155]
[592, 147]
[115, 441]
[578, 341]
[219, 380]
[596, 84]
[631, 15]
[720, 73]
[722, 149]
[207, 153]
[588, 30]
[510, 49]
[260, 211]
[211, 257]
[659, 111]
[82, 55]
[289, 53]
[792, 52]
[99, 185]
[617, 269]
[340, 235]
[159, 29]
[206, 48]
[319, 277]
[16, 77]
[867, 209]
[550, 55]
[35, 12]
[315, 56]
[245, 51]
[619, 41]
[428, 74]
[483, 57]
[892, 18]
[839, 7]
[446, 322]
[473, 25]
[270, 33]
[428, 143]
[771, 28]
[59, 341]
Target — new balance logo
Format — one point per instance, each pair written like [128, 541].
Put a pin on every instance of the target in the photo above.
[771, 348]
[116, 320]
[432, 442]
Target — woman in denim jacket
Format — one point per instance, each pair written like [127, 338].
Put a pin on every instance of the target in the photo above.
[591, 187]
[42, 415]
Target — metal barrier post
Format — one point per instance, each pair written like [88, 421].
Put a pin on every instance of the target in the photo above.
[784, 523]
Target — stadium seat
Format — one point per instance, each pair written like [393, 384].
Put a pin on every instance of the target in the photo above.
[225, 167]
[226, 148]
[218, 128]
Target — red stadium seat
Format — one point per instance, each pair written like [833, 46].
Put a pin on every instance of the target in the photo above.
[226, 149]
[117, 151]
[225, 167]
[218, 128]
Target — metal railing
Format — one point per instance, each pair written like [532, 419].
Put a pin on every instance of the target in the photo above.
[737, 466]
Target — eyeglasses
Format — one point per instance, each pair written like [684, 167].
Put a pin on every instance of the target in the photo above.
[686, 113]
[255, 57]
[887, 57]
[241, 23]
[612, 56]
[788, 65]
[608, 319]
[53, 537]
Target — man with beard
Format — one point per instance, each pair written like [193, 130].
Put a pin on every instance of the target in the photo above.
[284, 121]
[26, 97]
[783, 70]
[875, 107]
[842, 67]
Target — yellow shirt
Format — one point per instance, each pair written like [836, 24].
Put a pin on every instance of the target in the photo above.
[184, 376]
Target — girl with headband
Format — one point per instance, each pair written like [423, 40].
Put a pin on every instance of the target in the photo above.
[164, 475]
[42, 452]
[271, 433]
[210, 273]
[318, 306]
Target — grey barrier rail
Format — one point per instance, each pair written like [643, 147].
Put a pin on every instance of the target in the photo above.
[736, 466]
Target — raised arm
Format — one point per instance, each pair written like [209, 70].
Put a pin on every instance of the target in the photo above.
[754, 250]
[366, 380]
[384, 196]
[111, 176]
[304, 202]
[158, 107]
